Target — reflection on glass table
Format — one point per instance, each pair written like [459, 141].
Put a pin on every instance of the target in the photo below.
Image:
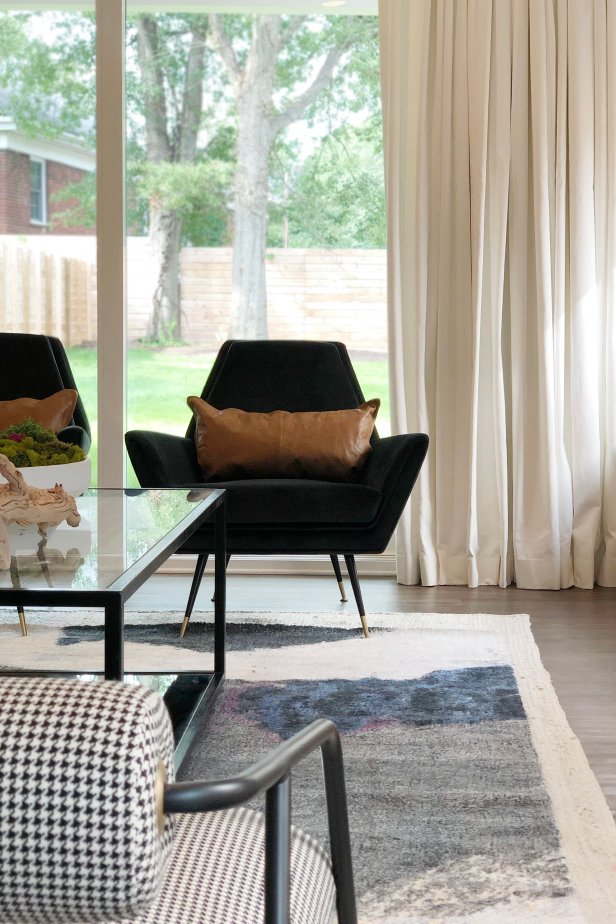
[117, 529]
[53, 558]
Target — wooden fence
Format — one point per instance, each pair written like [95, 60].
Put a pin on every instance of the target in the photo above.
[314, 294]
[47, 293]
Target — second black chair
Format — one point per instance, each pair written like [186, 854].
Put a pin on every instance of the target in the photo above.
[36, 366]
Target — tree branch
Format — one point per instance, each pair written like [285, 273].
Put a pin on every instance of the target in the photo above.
[192, 96]
[294, 25]
[226, 51]
[158, 145]
[297, 106]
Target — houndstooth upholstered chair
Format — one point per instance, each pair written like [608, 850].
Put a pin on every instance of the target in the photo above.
[90, 830]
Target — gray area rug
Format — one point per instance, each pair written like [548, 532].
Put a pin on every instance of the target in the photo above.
[440, 770]
[470, 799]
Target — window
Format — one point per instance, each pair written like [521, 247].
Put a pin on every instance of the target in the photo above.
[227, 238]
[38, 191]
[48, 236]
[323, 250]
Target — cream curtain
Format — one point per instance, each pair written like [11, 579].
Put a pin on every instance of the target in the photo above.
[500, 150]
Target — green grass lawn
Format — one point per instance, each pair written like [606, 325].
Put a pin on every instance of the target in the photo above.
[159, 381]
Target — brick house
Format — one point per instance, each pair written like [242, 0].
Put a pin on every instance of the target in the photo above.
[32, 172]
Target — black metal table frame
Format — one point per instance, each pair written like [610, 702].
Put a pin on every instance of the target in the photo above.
[113, 598]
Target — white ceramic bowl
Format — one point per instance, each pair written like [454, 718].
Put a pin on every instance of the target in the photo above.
[74, 477]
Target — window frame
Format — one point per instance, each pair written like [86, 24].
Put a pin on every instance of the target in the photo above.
[44, 219]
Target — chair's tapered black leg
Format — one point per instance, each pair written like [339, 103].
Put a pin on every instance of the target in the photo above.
[351, 568]
[227, 560]
[338, 573]
[194, 589]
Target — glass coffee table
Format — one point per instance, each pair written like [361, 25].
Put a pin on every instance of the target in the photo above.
[123, 537]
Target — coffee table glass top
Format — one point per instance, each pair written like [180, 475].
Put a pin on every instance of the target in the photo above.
[120, 532]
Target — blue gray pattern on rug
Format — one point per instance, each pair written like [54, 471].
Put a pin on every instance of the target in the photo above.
[448, 811]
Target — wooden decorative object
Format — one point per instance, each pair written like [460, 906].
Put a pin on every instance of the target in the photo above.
[24, 505]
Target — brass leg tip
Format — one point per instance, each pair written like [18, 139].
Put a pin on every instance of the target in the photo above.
[184, 626]
[343, 596]
[22, 622]
[364, 626]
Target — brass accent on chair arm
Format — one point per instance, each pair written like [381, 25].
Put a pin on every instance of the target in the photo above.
[159, 795]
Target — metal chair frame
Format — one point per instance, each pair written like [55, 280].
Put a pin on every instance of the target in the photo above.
[272, 775]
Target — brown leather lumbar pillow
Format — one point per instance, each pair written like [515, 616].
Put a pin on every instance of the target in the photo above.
[328, 445]
[54, 412]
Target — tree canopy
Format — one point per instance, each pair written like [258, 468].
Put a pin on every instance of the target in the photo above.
[201, 91]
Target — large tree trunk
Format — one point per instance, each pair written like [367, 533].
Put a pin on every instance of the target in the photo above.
[165, 234]
[249, 297]
[258, 124]
[169, 142]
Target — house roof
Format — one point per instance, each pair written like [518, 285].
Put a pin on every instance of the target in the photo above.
[60, 150]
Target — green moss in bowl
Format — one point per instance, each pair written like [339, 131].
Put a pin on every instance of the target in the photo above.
[28, 443]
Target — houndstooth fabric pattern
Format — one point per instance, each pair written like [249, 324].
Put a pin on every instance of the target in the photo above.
[79, 837]
[216, 874]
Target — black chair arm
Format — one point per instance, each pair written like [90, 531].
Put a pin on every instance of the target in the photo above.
[392, 467]
[270, 772]
[212, 795]
[390, 456]
[75, 435]
[161, 460]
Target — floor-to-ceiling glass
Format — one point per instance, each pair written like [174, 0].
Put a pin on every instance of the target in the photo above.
[308, 198]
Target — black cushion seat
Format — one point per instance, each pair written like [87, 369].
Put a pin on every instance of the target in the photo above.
[295, 501]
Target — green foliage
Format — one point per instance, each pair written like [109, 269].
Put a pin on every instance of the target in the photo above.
[49, 83]
[79, 201]
[28, 443]
[325, 186]
[331, 197]
[198, 191]
[356, 84]
[175, 30]
[338, 197]
[166, 338]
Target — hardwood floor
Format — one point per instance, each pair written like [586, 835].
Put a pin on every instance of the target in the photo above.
[574, 629]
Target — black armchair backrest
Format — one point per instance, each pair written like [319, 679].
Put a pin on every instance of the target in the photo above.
[282, 375]
[36, 366]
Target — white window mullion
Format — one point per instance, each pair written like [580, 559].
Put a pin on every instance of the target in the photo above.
[111, 241]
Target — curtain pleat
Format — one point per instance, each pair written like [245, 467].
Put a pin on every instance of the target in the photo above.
[607, 566]
[500, 162]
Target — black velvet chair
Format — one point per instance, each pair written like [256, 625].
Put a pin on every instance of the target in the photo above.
[269, 516]
[36, 366]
